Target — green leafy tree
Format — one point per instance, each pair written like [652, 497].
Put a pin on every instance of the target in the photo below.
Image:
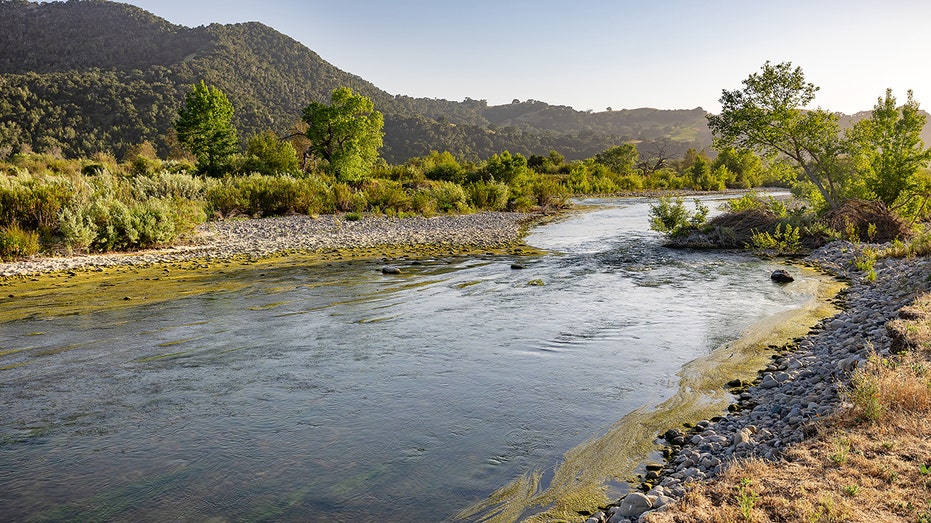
[506, 167]
[346, 134]
[620, 159]
[268, 154]
[888, 148]
[768, 116]
[744, 166]
[205, 127]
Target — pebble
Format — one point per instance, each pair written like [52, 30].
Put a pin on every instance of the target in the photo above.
[803, 384]
[267, 236]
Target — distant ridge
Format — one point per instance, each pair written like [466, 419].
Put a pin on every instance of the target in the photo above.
[94, 75]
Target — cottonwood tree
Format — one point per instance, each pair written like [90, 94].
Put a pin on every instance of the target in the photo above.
[888, 148]
[621, 159]
[346, 134]
[768, 115]
[268, 154]
[205, 128]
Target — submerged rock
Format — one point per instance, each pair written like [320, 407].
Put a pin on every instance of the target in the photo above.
[781, 276]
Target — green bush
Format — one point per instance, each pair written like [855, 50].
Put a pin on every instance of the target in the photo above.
[548, 193]
[260, 195]
[77, 227]
[490, 196]
[753, 201]
[387, 195]
[449, 196]
[780, 242]
[670, 217]
[33, 202]
[165, 184]
[17, 243]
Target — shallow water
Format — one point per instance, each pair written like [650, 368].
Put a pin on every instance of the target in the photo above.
[335, 393]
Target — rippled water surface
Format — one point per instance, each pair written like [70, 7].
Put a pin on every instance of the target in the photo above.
[336, 393]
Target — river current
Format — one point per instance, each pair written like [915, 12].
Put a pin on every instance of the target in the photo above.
[337, 393]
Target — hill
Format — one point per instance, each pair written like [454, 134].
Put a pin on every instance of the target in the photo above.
[94, 75]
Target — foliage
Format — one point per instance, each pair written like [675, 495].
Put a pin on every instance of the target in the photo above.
[768, 115]
[17, 243]
[752, 201]
[205, 127]
[669, 216]
[491, 196]
[346, 134]
[888, 149]
[620, 159]
[92, 76]
[268, 154]
[744, 168]
[784, 240]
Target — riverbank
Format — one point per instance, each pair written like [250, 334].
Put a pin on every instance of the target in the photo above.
[788, 402]
[326, 235]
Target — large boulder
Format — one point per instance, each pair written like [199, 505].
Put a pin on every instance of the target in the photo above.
[781, 276]
[634, 504]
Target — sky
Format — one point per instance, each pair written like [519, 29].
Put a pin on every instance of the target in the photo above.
[595, 54]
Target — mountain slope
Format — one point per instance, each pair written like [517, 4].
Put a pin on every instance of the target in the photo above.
[95, 75]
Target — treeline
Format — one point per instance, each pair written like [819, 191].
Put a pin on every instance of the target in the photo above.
[52, 204]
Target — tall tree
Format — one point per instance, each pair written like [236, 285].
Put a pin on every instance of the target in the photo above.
[621, 159]
[768, 116]
[345, 134]
[205, 127]
[268, 154]
[888, 148]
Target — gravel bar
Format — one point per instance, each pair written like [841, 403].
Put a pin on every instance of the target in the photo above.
[270, 236]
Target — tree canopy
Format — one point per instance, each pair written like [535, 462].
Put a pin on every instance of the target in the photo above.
[346, 134]
[888, 148]
[768, 115]
[205, 127]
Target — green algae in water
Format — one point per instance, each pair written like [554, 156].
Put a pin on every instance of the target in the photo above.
[579, 483]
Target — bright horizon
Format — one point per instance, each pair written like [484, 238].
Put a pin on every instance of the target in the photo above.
[673, 54]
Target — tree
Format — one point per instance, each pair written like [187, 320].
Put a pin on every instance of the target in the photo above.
[345, 134]
[620, 159]
[268, 154]
[205, 127]
[888, 149]
[768, 116]
[744, 165]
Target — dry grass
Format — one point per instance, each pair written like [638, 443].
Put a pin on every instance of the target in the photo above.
[868, 221]
[870, 462]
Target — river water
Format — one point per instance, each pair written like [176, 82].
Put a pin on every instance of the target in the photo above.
[336, 393]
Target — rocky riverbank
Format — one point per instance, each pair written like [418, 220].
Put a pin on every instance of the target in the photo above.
[271, 236]
[800, 386]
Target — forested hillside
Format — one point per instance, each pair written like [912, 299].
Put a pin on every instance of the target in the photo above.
[85, 76]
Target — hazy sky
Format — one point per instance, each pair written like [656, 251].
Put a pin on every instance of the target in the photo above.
[592, 54]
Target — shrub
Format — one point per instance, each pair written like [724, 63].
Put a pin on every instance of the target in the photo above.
[387, 195]
[449, 196]
[752, 201]
[548, 193]
[780, 242]
[17, 243]
[33, 202]
[491, 196]
[169, 185]
[77, 227]
[670, 217]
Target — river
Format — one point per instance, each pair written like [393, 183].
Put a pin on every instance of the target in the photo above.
[333, 392]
